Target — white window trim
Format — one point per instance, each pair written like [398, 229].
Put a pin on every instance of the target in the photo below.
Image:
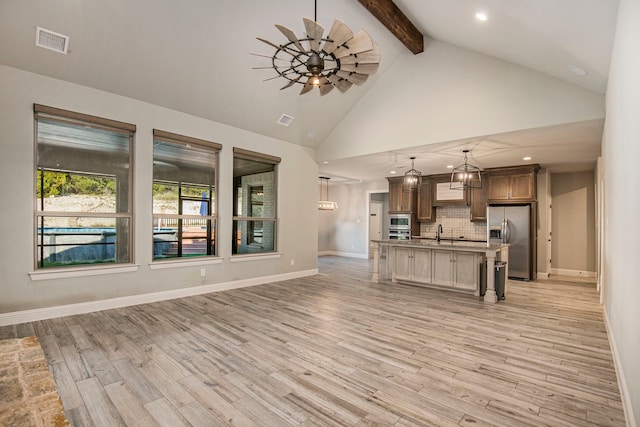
[251, 257]
[177, 263]
[65, 273]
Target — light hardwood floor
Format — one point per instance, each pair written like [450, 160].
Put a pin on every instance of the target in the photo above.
[336, 349]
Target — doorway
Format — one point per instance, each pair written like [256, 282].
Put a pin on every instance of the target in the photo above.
[378, 228]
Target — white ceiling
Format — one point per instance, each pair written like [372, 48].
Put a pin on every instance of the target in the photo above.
[195, 57]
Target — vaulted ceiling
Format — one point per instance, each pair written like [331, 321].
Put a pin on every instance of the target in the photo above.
[195, 57]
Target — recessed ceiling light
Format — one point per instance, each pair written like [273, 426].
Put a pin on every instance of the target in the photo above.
[481, 16]
[449, 166]
[526, 158]
[578, 71]
[392, 172]
[325, 162]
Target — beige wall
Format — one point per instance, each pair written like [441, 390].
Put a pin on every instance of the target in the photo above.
[573, 248]
[621, 228]
[297, 173]
[448, 93]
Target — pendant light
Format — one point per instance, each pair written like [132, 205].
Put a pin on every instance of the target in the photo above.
[412, 178]
[465, 176]
[326, 204]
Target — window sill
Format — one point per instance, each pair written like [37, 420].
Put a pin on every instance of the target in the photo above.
[251, 257]
[81, 272]
[177, 263]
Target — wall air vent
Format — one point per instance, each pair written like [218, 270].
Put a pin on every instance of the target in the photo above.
[285, 120]
[53, 41]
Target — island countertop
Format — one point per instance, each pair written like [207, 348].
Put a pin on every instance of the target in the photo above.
[447, 264]
[454, 245]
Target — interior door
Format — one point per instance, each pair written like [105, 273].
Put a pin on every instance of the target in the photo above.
[375, 223]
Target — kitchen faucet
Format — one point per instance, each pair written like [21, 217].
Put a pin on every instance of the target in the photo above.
[438, 232]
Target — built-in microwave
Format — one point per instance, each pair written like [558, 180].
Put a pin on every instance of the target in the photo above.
[400, 222]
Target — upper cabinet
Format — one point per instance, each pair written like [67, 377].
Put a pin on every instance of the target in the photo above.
[426, 210]
[512, 185]
[478, 201]
[400, 199]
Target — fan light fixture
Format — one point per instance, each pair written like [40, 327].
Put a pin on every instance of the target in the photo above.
[339, 60]
[412, 177]
[465, 176]
[326, 204]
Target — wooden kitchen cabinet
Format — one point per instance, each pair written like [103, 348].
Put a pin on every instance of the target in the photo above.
[412, 265]
[516, 184]
[426, 210]
[478, 202]
[455, 269]
[400, 201]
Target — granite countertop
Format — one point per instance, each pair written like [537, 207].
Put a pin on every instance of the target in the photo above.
[444, 244]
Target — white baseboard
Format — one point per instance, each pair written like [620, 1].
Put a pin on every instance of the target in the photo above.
[574, 273]
[542, 275]
[344, 254]
[622, 383]
[33, 315]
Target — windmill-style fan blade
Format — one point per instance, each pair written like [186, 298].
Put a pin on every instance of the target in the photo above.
[291, 36]
[314, 31]
[355, 78]
[361, 42]
[308, 86]
[360, 68]
[268, 42]
[342, 84]
[291, 83]
[338, 34]
[325, 86]
[369, 57]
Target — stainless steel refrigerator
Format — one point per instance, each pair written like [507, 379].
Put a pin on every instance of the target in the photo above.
[512, 224]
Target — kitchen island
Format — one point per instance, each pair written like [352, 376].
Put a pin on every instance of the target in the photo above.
[453, 265]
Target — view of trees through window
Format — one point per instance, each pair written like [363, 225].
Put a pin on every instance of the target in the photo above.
[83, 205]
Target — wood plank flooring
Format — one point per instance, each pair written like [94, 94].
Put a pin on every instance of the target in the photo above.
[337, 350]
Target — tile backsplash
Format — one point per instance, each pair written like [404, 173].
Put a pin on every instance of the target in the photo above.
[455, 223]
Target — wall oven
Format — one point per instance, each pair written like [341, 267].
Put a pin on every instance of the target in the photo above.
[400, 226]
[399, 234]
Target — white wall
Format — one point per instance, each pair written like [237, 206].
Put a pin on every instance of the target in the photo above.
[346, 231]
[448, 93]
[19, 90]
[621, 255]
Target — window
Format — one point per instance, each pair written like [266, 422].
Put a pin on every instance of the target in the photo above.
[254, 192]
[184, 196]
[83, 189]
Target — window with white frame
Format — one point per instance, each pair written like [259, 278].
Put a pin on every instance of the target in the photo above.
[255, 208]
[83, 189]
[184, 196]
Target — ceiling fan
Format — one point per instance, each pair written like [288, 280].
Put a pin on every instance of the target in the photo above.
[341, 59]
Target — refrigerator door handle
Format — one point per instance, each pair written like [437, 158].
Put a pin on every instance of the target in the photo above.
[507, 232]
[504, 231]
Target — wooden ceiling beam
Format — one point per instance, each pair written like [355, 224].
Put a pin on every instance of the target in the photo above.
[397, 22]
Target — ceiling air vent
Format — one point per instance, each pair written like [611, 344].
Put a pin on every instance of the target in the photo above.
[285, 120]
[52, 41]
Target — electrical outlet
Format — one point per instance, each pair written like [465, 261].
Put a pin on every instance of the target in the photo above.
[292, 261]
[203, 272]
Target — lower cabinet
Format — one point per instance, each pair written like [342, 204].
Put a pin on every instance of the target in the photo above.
[457, 269]
[412, 265]
[453, 269]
